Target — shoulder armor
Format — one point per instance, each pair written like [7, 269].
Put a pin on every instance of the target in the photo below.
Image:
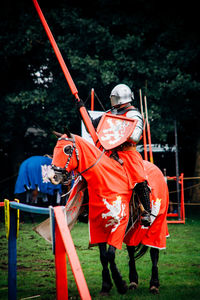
[136, 115]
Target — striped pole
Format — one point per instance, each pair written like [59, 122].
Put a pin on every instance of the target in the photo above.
[148, 131]
[12, 256]
[144, 127]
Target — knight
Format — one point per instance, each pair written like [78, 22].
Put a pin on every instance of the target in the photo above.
[121, 97]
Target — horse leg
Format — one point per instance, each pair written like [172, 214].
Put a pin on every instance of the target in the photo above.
[133, 276]
[119, 282]
[154, 283]
[106, 280]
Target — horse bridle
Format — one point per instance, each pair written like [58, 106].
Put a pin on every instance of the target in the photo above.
[67, 177]
[62, 172]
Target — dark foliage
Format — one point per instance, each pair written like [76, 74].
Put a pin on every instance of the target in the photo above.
[150, 45]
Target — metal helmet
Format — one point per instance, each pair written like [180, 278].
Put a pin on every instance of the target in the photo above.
[121, 94]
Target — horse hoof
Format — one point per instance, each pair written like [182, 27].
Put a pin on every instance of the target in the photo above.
[104, 294]
[105, 289]
[123, 288]
[154, 290]
[133, 286]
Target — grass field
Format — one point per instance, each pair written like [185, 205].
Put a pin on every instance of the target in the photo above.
[179, 264]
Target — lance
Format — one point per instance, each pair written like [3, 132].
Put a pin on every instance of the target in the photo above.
[82, 109]
[148, 131]
[144, 129]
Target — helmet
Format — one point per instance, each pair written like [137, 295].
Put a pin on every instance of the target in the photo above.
[121, 94]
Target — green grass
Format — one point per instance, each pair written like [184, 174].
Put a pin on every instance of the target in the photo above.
[179, 265]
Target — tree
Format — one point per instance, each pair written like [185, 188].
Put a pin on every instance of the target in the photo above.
[149, 46]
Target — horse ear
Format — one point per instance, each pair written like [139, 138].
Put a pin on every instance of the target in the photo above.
[57, 134]
[67, 132]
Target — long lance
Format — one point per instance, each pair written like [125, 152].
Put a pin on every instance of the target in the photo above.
[82, 109]
[148, 131]
[144, 127]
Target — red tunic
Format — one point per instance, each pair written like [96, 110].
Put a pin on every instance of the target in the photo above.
[133, 161]
[134, 167]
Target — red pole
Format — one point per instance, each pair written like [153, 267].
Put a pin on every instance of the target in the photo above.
[144, 129]
[92, 99]
[148, 131]
[182, 199]
[60, 266]
[57, 51]
[68, 77]
[71, 253]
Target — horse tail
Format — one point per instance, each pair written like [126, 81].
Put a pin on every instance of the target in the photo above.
[140, 250]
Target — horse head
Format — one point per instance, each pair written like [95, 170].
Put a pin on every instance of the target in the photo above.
[65, 159]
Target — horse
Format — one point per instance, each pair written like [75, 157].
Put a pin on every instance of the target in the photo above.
[109, 198]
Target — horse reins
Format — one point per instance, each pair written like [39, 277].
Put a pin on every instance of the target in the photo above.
[94, 164]
[77, 156]
[72, 149]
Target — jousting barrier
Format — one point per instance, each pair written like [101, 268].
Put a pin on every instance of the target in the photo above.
[62, 244]
[181, 219]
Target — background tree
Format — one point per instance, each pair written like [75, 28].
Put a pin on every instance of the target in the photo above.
[145, 44]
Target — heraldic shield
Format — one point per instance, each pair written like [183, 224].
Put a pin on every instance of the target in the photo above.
[114, 130]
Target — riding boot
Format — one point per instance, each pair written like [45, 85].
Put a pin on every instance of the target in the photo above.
[142, 190]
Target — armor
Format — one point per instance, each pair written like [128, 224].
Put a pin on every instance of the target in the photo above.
[121, 94]
[136, 135]
[132, 113]
[120, 98]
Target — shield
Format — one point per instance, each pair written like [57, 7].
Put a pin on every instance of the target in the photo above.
[114, 130]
